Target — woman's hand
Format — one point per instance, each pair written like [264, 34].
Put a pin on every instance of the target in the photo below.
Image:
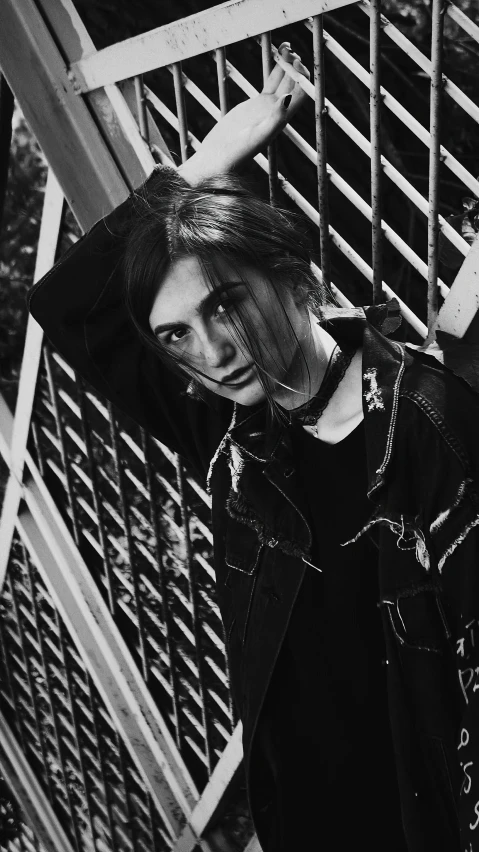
[251, 125]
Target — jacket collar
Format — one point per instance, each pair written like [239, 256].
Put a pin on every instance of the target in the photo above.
[384, 362]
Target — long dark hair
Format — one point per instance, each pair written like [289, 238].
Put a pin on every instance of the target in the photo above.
[220, 218]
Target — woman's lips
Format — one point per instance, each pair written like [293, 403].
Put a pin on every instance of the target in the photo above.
[239, 377]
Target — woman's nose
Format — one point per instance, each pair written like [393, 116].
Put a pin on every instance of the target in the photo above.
[218, 348]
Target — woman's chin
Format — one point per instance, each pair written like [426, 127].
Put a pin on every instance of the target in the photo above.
[252, 394]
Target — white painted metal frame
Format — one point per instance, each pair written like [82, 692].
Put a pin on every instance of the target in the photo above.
[216, 27]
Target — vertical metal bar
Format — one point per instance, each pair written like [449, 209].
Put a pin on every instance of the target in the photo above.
[30, 680]
[97, 502]
[181, 109]
[180, 476]
[51, 694]
[38, 448]
[104, 784]
[76, 727]
[268, 63]
[141, 107]
[166, 611]
[438, 9]
[322, 169]
[63, 451]
[129, 539]
[375, 123]
[221, 70]
[18, 714]
[128, 802]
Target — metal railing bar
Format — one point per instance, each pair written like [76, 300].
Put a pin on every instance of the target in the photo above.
[178, 82]
[51, 698]
[395, 176]
[307, 208]
[63, 364]
[206, 31]
[342, 122]
[204, 564]
[38, 731]
[21, 778]
[212, 605]
[130, 128]
[437, 83]
[198, 727]
[221, 704]
[47, 246]
[185, 520]
[103, 786]
[376, 169]
[36, 444]
[321, 146]
[120, 475]
[217, 670]
[141, 107]
[222, 74]
[13, 693]
[223, 732]
[63, 451]
[187, 661]
[267, 65]
[185, 630]
[197, 751]
[191, 692]
[165, 684]
[415, 54]
[400, 112]
[72, 405]
[63, 558]
[213, 636]
[97, 501]
[353, 256]
[460, 18]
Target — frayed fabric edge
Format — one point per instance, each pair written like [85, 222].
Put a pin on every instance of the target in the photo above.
[219, 449]
[443, 516]
[238, 509]
[456, 542]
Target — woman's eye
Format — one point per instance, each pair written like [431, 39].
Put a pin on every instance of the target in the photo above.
[175, 335]
[224, 308]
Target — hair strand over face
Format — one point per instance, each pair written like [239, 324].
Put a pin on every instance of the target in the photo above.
[219, 219]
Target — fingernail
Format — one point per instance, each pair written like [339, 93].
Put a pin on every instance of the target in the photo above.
[287, 100]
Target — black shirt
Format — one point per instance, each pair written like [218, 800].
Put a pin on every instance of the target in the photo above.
[324, 724]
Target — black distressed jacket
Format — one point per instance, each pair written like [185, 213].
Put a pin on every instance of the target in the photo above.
[421, 425]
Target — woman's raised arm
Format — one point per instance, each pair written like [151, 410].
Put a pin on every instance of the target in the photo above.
[250, 126]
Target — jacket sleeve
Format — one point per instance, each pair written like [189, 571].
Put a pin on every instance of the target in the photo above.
[443, 473]
[79, 304]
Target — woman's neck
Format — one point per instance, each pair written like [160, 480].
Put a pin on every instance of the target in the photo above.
[303, 378]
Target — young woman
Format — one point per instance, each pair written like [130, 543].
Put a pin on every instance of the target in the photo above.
[343, 470]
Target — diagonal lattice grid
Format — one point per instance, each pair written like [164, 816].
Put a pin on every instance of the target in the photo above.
[141, 523]
[63, 726]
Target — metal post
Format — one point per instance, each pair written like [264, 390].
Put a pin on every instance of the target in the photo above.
[375, 122]
[222, 72]
[438, 9]
[322, 169]
[267, 60]
[181, 110]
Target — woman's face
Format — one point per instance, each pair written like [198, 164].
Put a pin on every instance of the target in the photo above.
[192, 320]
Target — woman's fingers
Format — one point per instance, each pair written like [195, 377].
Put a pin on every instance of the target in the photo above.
[277, 73]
